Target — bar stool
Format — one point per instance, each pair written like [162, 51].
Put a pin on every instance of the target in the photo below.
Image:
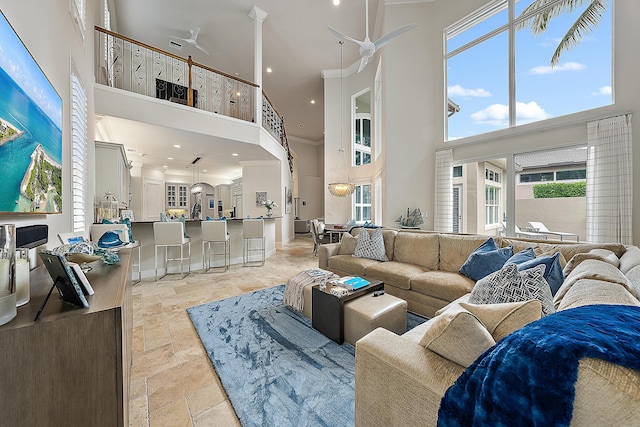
[171, 234]
[215, 232]
[252, 229]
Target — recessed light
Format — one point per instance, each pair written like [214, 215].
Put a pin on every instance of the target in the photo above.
[238, 94]
[204, 170]
[300, 125]
[165, 166]
[313, 101]
[177, 145]
[269, 69]
[234, 154]
[336, 2]
[169, 158]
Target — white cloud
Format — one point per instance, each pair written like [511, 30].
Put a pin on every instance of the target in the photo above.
[604, 90]
[457, 90]
[567, 66]
[498, 114]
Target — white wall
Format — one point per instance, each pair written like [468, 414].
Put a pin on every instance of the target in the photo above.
[46, 28]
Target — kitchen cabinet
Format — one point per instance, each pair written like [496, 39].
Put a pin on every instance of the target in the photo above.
[112, 173]
[177, 196]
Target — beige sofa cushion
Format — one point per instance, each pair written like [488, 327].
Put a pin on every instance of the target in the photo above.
[457, 335]
[630, 259]
[347, 244]
[394, 273]
[595, 254]
[456, 248]
[417, 248]
[594, 291]
[634, 277]
[350, 264]
[442, 284]
[594, 269]
[503, 319]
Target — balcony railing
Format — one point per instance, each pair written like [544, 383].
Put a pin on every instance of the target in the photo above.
[127, 64]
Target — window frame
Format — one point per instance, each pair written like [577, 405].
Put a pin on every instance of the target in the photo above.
[356, 204]
[478, 16]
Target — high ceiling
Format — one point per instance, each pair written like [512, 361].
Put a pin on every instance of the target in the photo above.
[296, 45]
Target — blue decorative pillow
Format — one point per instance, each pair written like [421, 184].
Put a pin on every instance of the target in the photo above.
[486, 259]
[552, 273]
[182, 219]
[523, 256]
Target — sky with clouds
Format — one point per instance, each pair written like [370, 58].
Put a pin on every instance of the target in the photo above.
[478, 77]
[16, 61]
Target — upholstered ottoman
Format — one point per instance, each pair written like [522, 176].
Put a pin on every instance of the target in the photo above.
[363, 315]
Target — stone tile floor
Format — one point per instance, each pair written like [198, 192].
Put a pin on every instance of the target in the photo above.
[172, 380]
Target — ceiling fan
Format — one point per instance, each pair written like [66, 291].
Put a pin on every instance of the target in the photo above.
[367, 47]
[192, 40]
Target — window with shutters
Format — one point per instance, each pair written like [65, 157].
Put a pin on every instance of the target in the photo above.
[78, 150]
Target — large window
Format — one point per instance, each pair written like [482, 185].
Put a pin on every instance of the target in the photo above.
[492, 194]
[505, 72]
[361, 109]
[78, 150]
[362, 203]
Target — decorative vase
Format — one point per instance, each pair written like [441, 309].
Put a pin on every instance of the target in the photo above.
[269, 213]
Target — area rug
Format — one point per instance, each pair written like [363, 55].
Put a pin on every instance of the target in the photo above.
[275, 368]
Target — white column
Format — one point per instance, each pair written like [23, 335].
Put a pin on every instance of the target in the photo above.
[258, 15]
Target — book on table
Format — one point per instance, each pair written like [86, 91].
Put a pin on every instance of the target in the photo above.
[353, 283]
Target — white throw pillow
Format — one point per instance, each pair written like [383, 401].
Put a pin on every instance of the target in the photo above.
[371, 246]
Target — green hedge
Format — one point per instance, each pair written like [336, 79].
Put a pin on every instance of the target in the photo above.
[559, 189]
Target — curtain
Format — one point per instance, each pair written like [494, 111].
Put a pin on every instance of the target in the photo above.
[609, 180]
[443, 207]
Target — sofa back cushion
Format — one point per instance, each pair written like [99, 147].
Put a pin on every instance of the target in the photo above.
[388, 235]
[630, 259]
[421, 249]
[456, 248]
[568, 250]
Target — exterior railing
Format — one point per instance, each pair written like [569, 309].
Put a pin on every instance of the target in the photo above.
[127, 64]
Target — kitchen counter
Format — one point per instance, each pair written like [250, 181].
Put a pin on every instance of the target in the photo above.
[143, 232]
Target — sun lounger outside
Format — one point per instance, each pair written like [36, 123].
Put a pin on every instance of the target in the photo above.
[526, 234]
[543, 229]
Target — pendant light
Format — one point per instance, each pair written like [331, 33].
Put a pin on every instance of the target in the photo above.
[341, 189]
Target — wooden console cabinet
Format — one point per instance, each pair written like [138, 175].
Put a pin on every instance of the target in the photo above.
[71, 367]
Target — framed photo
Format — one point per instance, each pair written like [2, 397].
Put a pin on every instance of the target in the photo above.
[212, 203]
[30, 131]
[288, 197]
[261, 198]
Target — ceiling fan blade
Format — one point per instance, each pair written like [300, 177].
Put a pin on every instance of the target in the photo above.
[363, 63]
[201, 48]
[341, 36]
[194, 33]
[393, 34]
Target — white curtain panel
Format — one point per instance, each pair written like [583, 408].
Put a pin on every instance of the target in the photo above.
[443, 209]
[609, 180]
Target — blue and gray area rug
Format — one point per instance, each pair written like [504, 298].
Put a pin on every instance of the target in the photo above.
[275, 368]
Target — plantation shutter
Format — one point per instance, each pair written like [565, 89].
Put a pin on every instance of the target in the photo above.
[78, 151]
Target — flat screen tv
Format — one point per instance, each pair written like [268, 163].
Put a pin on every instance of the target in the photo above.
[30, 131]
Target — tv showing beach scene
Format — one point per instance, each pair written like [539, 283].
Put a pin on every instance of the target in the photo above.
[30, 131]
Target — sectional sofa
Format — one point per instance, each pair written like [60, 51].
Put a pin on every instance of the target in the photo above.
[402, 379]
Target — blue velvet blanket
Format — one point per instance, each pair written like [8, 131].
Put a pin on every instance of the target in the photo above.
[527, 378]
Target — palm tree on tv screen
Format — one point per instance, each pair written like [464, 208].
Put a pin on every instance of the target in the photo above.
[587, 22]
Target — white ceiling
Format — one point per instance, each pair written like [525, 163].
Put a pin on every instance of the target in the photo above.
[296, 45]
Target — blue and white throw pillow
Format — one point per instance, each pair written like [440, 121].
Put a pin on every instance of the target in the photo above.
[510, 285]
[371, 245]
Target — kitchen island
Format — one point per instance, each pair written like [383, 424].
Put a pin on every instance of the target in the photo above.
[143, 232]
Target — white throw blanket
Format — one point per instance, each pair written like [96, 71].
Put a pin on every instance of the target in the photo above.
[293, 291]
